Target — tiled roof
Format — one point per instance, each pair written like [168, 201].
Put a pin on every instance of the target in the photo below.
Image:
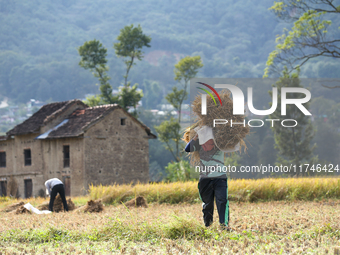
[80, 119]
[45, 113]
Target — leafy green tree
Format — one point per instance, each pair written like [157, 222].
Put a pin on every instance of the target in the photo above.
[186, 69]
[131, 41]
[180, 171]
[312, 34]
[93, 56]
[175, 98]
[130, 96]
[293, 144]
[169, 133]
[93, 53]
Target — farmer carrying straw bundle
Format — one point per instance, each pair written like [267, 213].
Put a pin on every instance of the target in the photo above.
[207, 146]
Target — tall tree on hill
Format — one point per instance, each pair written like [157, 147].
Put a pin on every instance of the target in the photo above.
[93, 56]
[293, 144]
[311, 36]
[131, 40]
[169, 131]
[186, 69]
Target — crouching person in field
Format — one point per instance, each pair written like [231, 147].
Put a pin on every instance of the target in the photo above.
[53, 187]
[213, 183]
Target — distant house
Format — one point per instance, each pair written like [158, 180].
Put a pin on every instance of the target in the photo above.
[78, 144]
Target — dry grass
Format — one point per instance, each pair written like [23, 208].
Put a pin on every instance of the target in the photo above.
[240, 190]
[6, 202]
[271, 227]
[291, 226]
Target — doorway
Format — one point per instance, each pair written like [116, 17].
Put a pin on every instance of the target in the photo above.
[28, 188]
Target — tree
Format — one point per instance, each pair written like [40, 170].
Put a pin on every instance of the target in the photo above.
[131, 41]
[293, 144]
[93, 56]
[311, 36]
[180, 171]
[185, 69]
[169, 131]
[130, 96]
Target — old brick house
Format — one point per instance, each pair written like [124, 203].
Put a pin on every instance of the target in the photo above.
[78, 144]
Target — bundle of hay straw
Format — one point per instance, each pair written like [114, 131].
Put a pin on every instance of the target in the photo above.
[137, 202]
[91, 207]
[58, 205]
[13, 207]
[225, 137]
[22, 210]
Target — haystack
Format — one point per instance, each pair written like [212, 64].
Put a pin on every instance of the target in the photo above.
[58, 205]
[91, 207]
[13, 207]
[137, 202]
[21, 210]
[225, 136]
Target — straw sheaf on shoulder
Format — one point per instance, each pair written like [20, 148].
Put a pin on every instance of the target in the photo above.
[225, 136]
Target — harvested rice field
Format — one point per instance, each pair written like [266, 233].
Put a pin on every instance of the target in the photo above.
[279, 227]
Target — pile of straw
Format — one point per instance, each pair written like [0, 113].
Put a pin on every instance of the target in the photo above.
[225, 136]
[58, 205]
[137, 202]
[13, 207]
[21, 210]
[91, 207]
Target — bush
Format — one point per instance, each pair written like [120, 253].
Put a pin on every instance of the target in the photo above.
[180, 171]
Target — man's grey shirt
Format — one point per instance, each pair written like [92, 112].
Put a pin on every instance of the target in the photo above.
[49, 184]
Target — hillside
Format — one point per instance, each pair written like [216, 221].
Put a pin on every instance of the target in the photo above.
[38, 49]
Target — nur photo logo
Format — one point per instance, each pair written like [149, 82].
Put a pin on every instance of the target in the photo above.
[239, 104]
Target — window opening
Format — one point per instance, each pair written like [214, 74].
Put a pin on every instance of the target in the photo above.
[3, 159]
[66, 152]
[28, 159]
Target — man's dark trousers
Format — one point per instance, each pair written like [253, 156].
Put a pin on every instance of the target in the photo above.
[55, 190]
[210, 188]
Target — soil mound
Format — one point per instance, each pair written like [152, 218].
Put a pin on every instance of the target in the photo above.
[137, 202]
[58, 205]
[21, 210]
[13, 207]
[91, 207]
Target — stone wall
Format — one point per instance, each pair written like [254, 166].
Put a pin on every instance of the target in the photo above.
[46, 162]
[54, 162]
[15, 164]
[116, 153]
